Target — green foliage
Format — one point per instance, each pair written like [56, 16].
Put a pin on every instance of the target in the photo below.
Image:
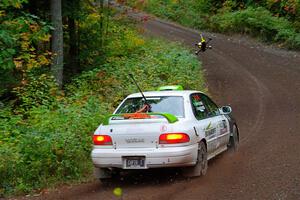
[123, 41]
[21, 39]
[287, 8]
[50, 146]
[274, 21]
[37, 91]
[188, 12]
[161, 64]
[12, 3]
[257, 22]
[90, 29]
[118, 40]
[96, 30]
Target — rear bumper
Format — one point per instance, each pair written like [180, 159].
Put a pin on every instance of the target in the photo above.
[154, 157]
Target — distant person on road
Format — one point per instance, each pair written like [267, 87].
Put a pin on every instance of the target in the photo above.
[202, 45]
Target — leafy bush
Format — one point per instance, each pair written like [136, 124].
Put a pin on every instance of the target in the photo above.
[154, 64]
[257, 22]
[189, 12]
[271, 21]
[22, 37]
[48, 147]
[37, 91]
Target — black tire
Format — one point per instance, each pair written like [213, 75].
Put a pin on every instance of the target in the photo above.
[201, 166]
[234, 139]
[202, 158]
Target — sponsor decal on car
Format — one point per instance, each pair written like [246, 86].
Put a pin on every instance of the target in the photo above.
[208, 126]
[223, 127]
[210, 133]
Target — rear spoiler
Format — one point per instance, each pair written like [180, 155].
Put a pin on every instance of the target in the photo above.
[171, 118]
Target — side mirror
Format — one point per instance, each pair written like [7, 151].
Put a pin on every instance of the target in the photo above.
[225, 110]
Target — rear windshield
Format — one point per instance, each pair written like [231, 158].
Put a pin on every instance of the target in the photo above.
[169, 104]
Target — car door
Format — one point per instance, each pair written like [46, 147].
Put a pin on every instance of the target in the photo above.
[222, 129]
[205, 123]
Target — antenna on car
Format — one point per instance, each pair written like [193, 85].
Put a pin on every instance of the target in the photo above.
[131, 76]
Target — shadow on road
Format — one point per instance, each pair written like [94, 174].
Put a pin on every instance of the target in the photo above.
[152, 177]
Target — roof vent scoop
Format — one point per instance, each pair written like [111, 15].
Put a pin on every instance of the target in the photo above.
[170, 88]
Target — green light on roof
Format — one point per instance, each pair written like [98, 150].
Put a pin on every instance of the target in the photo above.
[170, 87]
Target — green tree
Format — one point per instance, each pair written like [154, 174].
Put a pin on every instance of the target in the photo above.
[23, 42]
[57, 41]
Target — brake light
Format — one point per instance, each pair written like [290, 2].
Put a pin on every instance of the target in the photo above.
[173, 138]
[102, 140]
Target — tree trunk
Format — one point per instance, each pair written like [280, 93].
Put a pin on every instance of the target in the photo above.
[107, 18]
[73, 63]
[57, 41]
[101, 2]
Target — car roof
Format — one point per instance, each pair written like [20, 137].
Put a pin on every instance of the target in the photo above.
[164, 93]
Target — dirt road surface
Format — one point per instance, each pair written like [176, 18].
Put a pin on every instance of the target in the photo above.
[262, 85]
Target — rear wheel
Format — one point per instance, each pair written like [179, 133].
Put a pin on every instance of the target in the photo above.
[202, 158]
[234, 139]
[201, 166]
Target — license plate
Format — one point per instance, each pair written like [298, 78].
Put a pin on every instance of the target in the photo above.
[135, 162]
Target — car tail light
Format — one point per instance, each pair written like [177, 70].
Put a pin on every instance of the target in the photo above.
[173, 138]
[102, 140]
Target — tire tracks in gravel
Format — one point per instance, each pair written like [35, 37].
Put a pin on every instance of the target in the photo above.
[259, 88]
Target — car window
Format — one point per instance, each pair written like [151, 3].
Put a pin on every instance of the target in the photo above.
[166, 104]
[199, 108]
[213, 109]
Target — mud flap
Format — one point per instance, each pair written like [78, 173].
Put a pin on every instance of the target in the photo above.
[193, 171]
[101, 173]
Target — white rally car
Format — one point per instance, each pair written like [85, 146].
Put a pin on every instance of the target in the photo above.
[166, 128]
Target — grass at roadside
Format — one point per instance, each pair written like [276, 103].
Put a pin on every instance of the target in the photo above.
[46, 140]
[257, 21]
